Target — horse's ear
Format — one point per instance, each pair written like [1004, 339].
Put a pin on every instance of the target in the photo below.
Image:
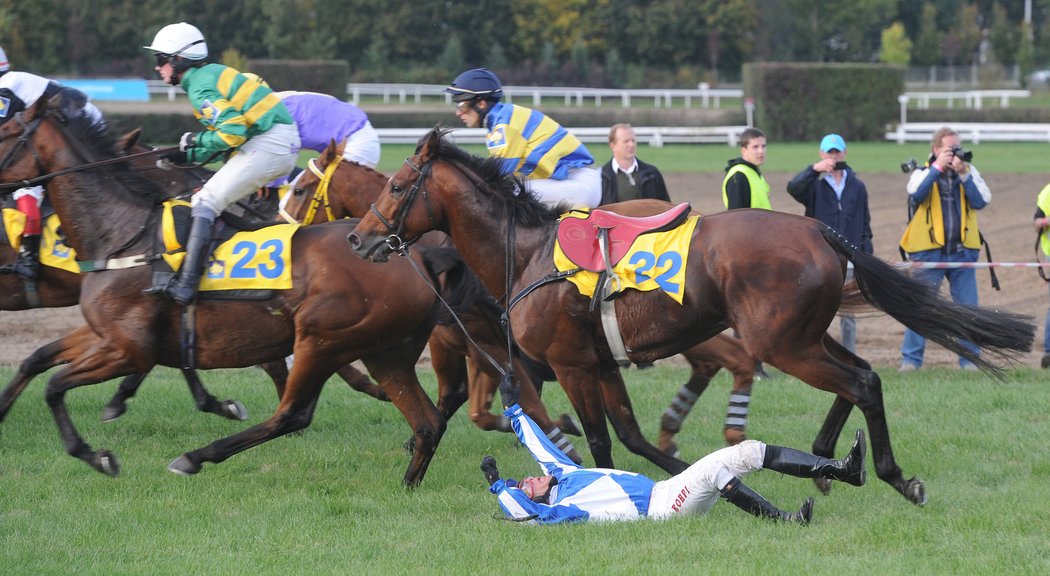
[330, 151]
[430, 146]
[39, 107]
[127, 141]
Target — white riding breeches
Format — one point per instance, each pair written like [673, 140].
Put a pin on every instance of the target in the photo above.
[581, 189]
[362, 146]
[697, 488]
[259, 160]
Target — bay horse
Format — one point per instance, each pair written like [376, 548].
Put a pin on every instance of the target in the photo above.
[332, 187]
[58, 288]
[338, 310]
[776, 278]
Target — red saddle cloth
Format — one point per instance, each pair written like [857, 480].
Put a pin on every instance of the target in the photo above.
[578, 237]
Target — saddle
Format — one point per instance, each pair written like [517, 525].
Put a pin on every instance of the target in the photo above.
[599, 241]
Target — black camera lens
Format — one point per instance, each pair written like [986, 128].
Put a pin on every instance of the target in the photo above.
[962, 154]
[909, 165]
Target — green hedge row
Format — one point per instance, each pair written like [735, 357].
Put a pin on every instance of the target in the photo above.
[803, 101]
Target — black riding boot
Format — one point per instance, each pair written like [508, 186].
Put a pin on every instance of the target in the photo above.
[28, 264]
[183, 288]
[850, 469]
[752, 502]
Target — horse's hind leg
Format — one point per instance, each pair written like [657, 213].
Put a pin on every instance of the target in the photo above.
[42, 359]
[861, 387]
[361, 382]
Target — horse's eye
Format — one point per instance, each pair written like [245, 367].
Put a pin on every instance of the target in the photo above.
[396, 189]
[298, 191]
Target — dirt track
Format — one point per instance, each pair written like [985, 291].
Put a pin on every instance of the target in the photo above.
[1005, 223]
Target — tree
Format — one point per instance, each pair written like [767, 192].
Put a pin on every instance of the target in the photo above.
[927, 49]
[1004, 36]
[895, 46]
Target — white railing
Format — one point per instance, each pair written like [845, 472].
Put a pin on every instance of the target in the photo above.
[703, 95]
[655, 136]
[970, 98]
[975, 132]
[160, 87]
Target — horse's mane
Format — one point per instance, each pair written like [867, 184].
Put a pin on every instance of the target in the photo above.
[525, 209]
[102, 143]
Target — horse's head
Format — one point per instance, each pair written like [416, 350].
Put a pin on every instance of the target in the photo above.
[404, 210]
[19, 154]
[310, 189]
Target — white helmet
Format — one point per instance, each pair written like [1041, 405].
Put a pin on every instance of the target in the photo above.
[180, 39]
[4, 64]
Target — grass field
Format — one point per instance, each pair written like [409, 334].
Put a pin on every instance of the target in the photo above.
[329, 501]
[864, 157]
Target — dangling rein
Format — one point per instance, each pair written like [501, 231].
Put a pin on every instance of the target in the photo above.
[82, 167]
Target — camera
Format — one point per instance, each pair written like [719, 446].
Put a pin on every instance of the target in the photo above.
[909, 165]
[841, 165]
[962, 154]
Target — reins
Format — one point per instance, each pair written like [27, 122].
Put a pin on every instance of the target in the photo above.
[400, 247]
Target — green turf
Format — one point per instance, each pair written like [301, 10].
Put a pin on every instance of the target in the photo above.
[329, 501]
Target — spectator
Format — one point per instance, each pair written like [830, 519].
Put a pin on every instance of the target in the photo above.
[744, 186]
[557, 168]
[567, 493]
[944, 197]
[624, 176]
[832, 193]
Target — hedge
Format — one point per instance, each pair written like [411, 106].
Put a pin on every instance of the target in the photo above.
[804, 101]
[324, 76]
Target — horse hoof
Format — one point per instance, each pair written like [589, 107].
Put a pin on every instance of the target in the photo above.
[234, 410]
[183, 466]
[823, 484]
[107, 463]
[111, 413]
[915, 491]
[569, 426]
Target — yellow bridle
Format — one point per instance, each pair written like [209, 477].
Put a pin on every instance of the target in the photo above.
[320, 193]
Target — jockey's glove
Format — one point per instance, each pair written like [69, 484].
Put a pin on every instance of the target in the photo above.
[188, 140]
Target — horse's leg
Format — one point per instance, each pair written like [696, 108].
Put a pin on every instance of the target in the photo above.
[621, 414]
[277, 370]
[578, 384]
[484, 380]
[99, 363]
[685, 398]
[294, 412]
[450, 370]
[398, 379]
[838, 414]
[361, 382]
[204, 400]
[43, 359]
[862, 387]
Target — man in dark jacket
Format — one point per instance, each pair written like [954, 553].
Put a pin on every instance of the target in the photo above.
[832, 193]
[624, 176]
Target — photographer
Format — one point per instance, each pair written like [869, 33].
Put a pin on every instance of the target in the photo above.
[832, 193]
[944, 196]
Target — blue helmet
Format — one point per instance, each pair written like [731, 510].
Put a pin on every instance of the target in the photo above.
[476, 83]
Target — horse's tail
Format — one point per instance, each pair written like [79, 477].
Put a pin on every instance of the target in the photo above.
[919, 306]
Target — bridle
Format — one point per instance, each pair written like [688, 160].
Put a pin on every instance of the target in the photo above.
[396, 228]
[24, 142]
[320, 193]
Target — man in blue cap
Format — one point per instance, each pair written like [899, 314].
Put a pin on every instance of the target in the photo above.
[557, 168]
[832, 193]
